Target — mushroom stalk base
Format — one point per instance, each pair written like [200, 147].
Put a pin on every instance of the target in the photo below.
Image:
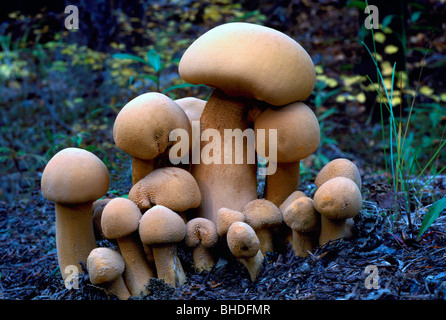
[331, 230]
[302, 243]
[168, 265]
[140, 168]
[203, 260]
[117, 288]
[253, 264]
[266, 240]
[224, 184]
[74, 235]
[137, 272]
[283, 182]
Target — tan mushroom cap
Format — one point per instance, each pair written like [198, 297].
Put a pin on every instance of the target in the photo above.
[201, 231]
[340, 167]
[160, 225]
[193, 107]
[261, 213]
[143, 125]
[338, 199]
[226, 217]
[172, 187]
[73, 176]
[242, 240]
[250, 60]
[120, 218]
[298, 131]
[291, 198]
[104, 265]
[301, 216]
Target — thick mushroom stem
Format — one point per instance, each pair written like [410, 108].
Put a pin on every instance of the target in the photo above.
[140, 169]
[332, 230]
[253, 264]
[223, 184]
[302, 243]
[203, 259]
[138, 271]
[283, 182]
[74, 234]
[168, 265]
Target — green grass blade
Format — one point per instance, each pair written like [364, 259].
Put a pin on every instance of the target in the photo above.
[431, 215]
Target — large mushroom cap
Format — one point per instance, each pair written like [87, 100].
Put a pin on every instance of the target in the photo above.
[73, 176]
[338, 199]
[171, 187]
[143, 125]
[261, 213]
[120, 218]
[104, 265]
[249, 60]
[160, 225]
[340, 167]
[298, 131]
[242, 240]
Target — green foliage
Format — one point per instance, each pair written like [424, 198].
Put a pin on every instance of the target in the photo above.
[431, 215]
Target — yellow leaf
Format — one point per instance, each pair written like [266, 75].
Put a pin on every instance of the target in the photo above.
[391, 49]
[425, 90]
[340, 99]
[386, 68]
[380, 37]
[319, 69]
[361, 97]
[443, 97]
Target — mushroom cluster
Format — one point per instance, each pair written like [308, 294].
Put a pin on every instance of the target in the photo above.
[260, 78]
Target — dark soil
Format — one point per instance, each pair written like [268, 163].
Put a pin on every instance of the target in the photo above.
[407, 269]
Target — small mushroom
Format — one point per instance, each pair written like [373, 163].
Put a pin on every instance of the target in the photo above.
[337, 200]
[340, 167]
[301, 217]
[245, 246]
[298, 136]
[74, 178]
[201, 235]
[162, 229]
[263, 215]
[142, 130]
[193, 107]
[291, 198]
[172, 187]
[98, 207]
[120, 221]
[105, 267]
[226, 217]
[238, 59]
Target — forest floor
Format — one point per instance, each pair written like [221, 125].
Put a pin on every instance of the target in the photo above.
[384, 242]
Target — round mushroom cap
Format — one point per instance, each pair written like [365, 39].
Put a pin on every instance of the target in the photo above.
[290, 199]
[301, 216]
[172, 187]
[240, 58]
[120, 218]
[104, 265]
[160, 225]
[298, 132]
[226, 217]
[340, 167]
[338, 199]
[201, 230]
[242, 240]
[193, 107]
[143, 125]
[74, 176]
[261, 213]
